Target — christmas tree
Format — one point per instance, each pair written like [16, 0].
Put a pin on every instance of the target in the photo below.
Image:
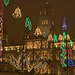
[28, 23]
[6, 2]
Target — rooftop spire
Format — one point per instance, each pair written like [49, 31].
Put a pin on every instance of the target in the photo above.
[46, 2]
[64, 27]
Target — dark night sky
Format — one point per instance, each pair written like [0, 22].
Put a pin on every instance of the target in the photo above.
[30, 8]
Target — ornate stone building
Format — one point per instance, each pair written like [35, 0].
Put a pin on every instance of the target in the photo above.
[39, 55]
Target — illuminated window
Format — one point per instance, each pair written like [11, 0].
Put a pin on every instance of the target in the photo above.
[37, 44]
[17, 50]
[51, 45]
[9, 49]
[44, 44]
[57, 57]
[6, 49]
[59, 72]
[45, 12]
[17, 47]
[0, 59]
[52, 22]
[12, 49]
[29, 45]
[56, 46]
[40, 12]
[44, 22]
[73, 47]
[73, 56]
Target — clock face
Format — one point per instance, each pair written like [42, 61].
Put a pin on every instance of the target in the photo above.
[37, 44]
[29, 45]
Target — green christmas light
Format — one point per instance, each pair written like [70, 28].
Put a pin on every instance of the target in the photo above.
[71, 43]
[6, 2]
[64, 35]
[63, 56]
[55, 38]
[28, 23]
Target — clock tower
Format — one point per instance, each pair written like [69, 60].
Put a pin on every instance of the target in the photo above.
[46, 18]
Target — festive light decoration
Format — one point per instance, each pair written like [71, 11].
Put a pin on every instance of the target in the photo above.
[70, 61]
[28, 23]
[68, 37]
[38, 31]
[17, 13]
[50, 38]
[64, 35]
[16, 62]
[55, 38]
[71, 43]
[60, 37]
[37, 64]
[1, 22]
[1, 27]
[73, 47]
[63, 56]
[6, 2]
[70, 53]
[64, 27]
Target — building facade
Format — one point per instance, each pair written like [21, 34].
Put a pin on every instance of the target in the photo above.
[39, 55]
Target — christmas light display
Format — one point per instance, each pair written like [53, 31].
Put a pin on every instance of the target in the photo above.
[16, 62]
[28, 23]
[1, 26]
[37, 65]
[71, 43]
[6, 2]
[55, 38]
[63, 56]
[70, 60]
[73, 47]
[38, 31]
[68, 37]
[50, 38]
[1, 22]
[60, 37]
[64, 35]
[17, 13]
[64, 27]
